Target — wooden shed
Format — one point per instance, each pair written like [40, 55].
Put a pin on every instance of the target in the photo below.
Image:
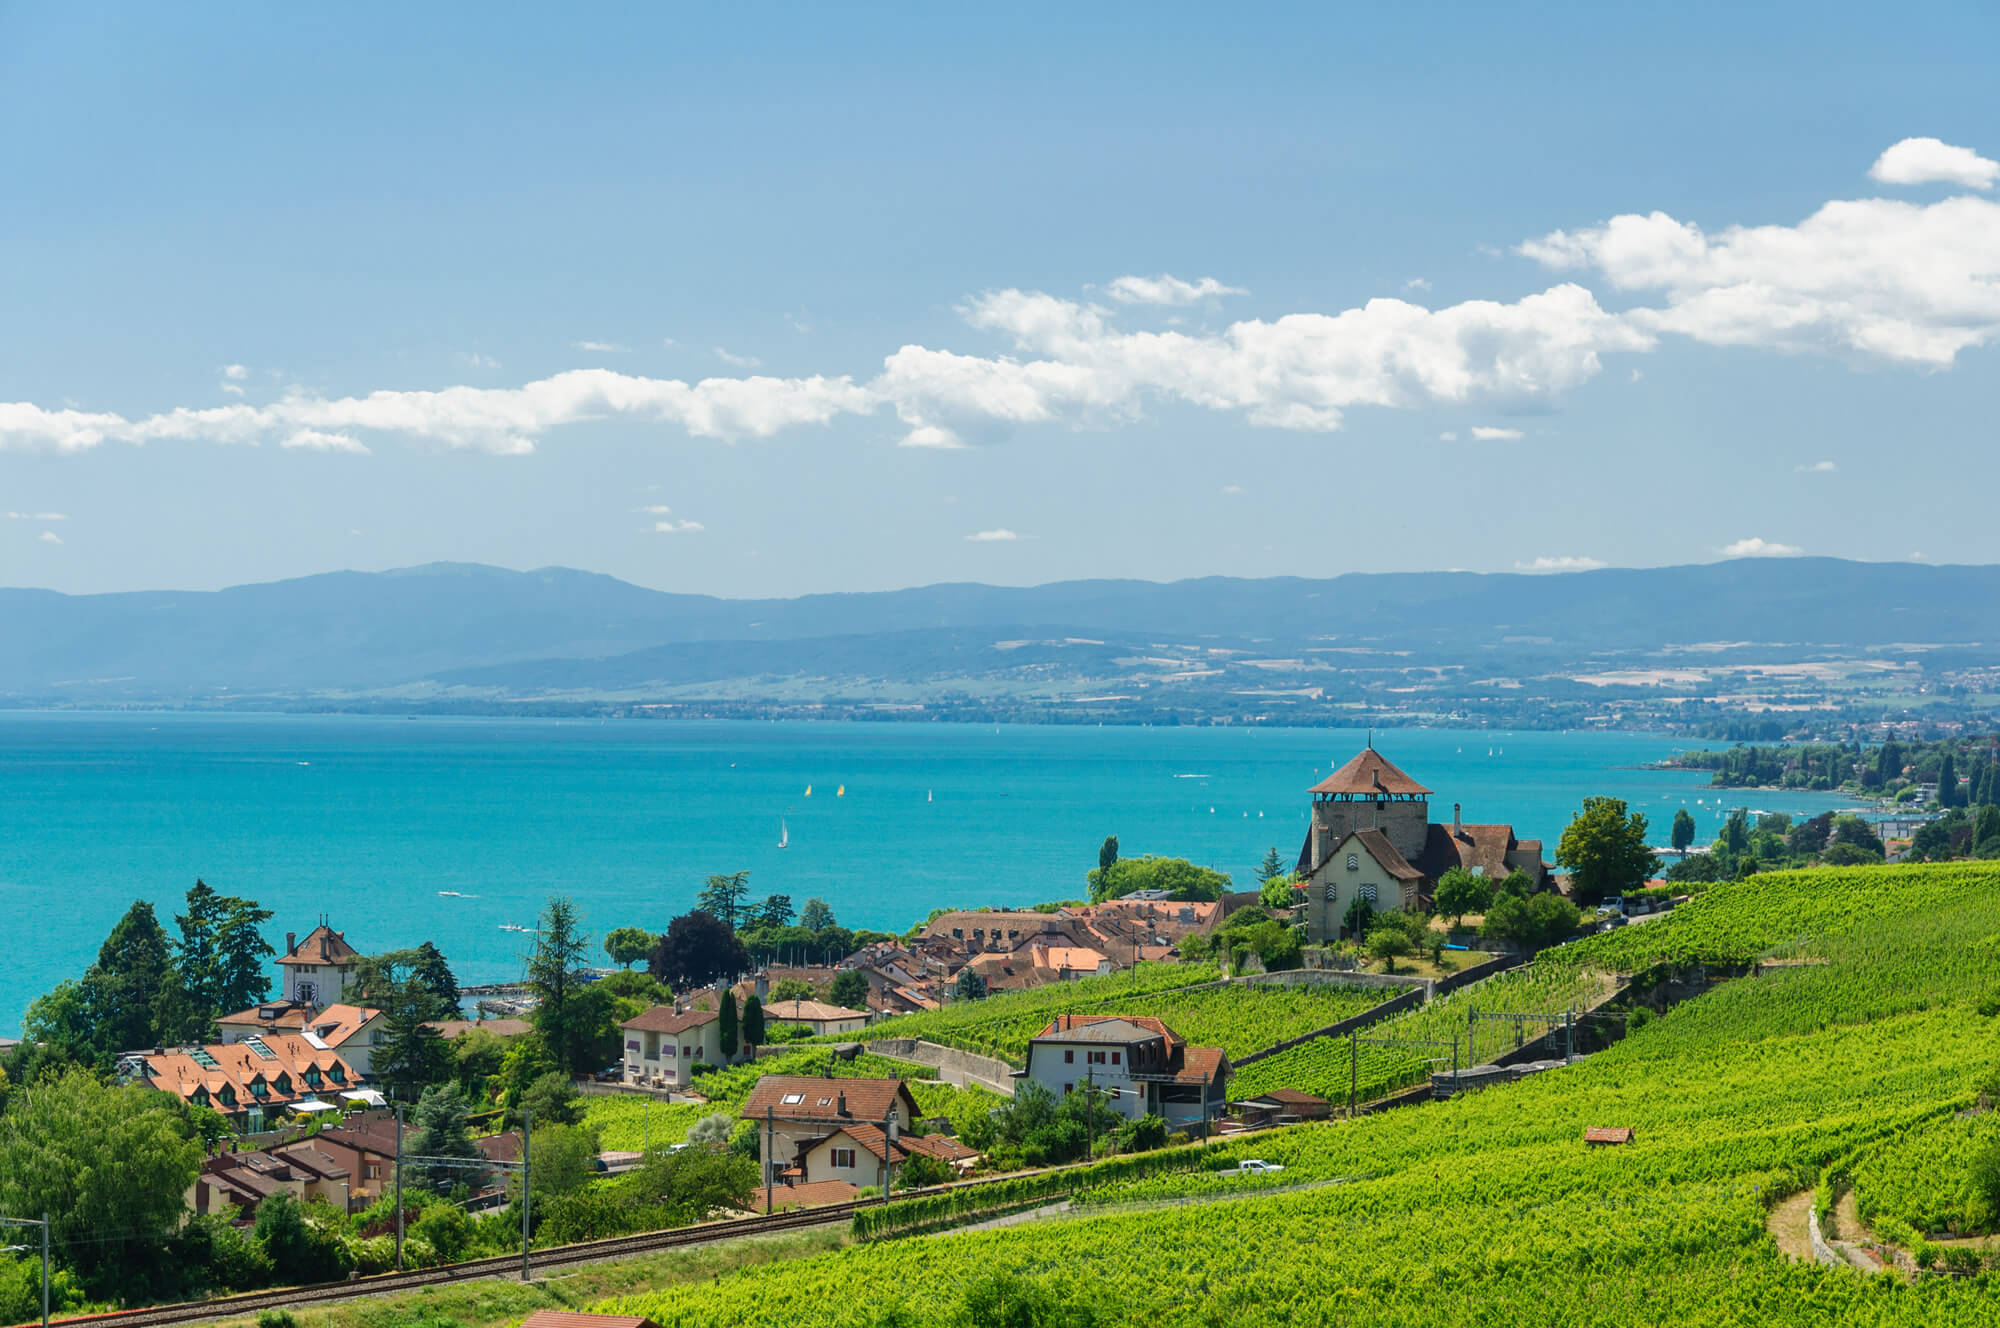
[1599, 1135]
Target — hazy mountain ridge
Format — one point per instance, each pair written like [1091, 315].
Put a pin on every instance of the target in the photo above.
[468, 625]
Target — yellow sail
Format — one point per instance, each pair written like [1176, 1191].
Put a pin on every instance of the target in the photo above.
[809, 790]
[840, 792]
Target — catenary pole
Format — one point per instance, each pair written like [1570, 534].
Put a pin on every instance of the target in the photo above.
[399, 1187]
[527, 1191]
[45, 1269]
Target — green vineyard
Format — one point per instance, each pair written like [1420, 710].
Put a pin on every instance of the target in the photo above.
[1490, 1209]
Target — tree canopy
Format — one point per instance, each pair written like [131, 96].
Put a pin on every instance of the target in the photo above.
[627, 945]
[1459, 892]
[1605, 851]
[566, 1015]
[1182, 879]
[698, 948]
[723, 898]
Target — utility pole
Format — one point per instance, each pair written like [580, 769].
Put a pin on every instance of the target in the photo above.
[44, 1225]
[1353, 1069]
[399, 1187]
[770, 1142]
[527, 1189]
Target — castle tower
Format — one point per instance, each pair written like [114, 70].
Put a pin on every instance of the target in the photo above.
[1370, 792]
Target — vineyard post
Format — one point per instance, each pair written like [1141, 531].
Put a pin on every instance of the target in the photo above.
[1353, 1069]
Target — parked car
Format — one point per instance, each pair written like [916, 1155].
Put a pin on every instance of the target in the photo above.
[1253, 1166]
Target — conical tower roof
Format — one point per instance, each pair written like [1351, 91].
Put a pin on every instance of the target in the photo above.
[1370, 774]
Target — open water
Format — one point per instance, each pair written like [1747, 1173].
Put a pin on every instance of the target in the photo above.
[366, 821]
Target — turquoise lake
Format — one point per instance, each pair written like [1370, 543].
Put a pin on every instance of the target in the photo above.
[366, 820]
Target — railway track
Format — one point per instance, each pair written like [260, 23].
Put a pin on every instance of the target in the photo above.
[561, 1256]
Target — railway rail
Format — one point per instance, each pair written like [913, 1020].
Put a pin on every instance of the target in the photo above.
[560, 1256]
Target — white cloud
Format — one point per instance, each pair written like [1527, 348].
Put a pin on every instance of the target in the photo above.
[35, 516]
[656, 509]
[737, 361]
[1167, 290]
[1448, 436]
[1929, 161]
[474, 359]
[679, 527]
[1816, 468]
[235, 373]
[312, 440]
[49, 537]
[1417, 284]
[1919, 556]
[1872, 277]
[1487, 433]
[1760, 548]
[232, 389]
[602, 347]
[1562, 564]
[1232, 489]
[669, 342]
[1001, 536]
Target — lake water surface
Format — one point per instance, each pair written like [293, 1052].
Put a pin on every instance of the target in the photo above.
[366, 820]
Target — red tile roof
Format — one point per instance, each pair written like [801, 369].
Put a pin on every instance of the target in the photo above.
[871, 1140]
[1385, 853]
[1599, 1134]
[322, 945]
[577, 1319]
[820, 1099]
[1202, 1065]
[1065, 1023]
[816, 1194]
[664, 1019]
[1368, 773]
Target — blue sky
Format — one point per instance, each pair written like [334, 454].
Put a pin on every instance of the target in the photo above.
[838, 290]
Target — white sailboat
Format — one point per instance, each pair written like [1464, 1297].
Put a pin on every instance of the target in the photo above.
[784, 835]
[930, 795]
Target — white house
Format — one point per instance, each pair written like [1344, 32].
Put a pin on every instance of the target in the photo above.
[794, 1111]
[352, 1030]
[861, 1154]
[664, 1045]
[1139, 1063]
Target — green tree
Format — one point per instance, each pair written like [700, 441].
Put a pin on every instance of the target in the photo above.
[971, 985]
[553, 1100]
[568, 1023]
[792, 989]
[698, 949]
[1388, 944]
[627, 945]
[477, 1055]
[1459, 892]
[414, 1055]
[565, 1158]
[1848, 855]
[1532, 923]
[921, 1171]
[1947, 794]
[1605, 851]
[1359, 919]
[434, 975]
[109, 1165]
[441, 1129]
[1272, 866]
[1852, 830]
[724, 896]
[1986, 832]
[850, 990]
[134, 989]
[817, 915]
[754, 1031]
[725, 1030]
[1276, 892]
[1683, 832]
[1107, 855]
[63, 1024]
[1181, 879]
[776, 911]
[301, 1251]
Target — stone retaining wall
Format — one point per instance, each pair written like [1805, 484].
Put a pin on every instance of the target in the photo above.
[955, 1067]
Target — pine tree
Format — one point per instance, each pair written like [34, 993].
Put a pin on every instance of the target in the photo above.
[726, 1023]
[566, 1021]
[723, 897]
[432, 973]
[133, 989]
[1271, 868]
[817, 915]
[414, 1056]
[442, 1130]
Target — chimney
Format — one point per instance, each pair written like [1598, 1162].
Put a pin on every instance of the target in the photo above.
[843, 1104]
[763, 985]
[291, 942]
[1456, 831]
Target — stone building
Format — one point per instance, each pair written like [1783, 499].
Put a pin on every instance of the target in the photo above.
[1372, 839]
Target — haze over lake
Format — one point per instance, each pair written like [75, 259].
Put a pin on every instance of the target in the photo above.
[367, 820]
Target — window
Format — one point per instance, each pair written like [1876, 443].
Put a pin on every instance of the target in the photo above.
[1353, 862]
[1095, 1058]
[1332, 892]
[1368, 893]
[1479, 871]
[1115, 1055]
[1068, 1089]
[1069, 1057]
[672, 1052]
[339, 1075]
[791, 1099]
[373, 1171]
[843, 1159]
[826, 1102]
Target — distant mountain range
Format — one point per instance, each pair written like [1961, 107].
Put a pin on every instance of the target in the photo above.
[461, 629]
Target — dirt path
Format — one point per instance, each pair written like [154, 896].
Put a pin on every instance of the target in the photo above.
[1787, 1224]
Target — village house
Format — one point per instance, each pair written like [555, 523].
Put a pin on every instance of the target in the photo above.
[864, 1154]
[319, 968]
[253, 1082]
[244, 1180]
[1140, 1064]
[1372, 840]
[817, 1016]
[793, 1111]
[664, 1045]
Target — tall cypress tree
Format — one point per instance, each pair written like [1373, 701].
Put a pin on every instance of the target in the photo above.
[1947, 781]
[726, 1021]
